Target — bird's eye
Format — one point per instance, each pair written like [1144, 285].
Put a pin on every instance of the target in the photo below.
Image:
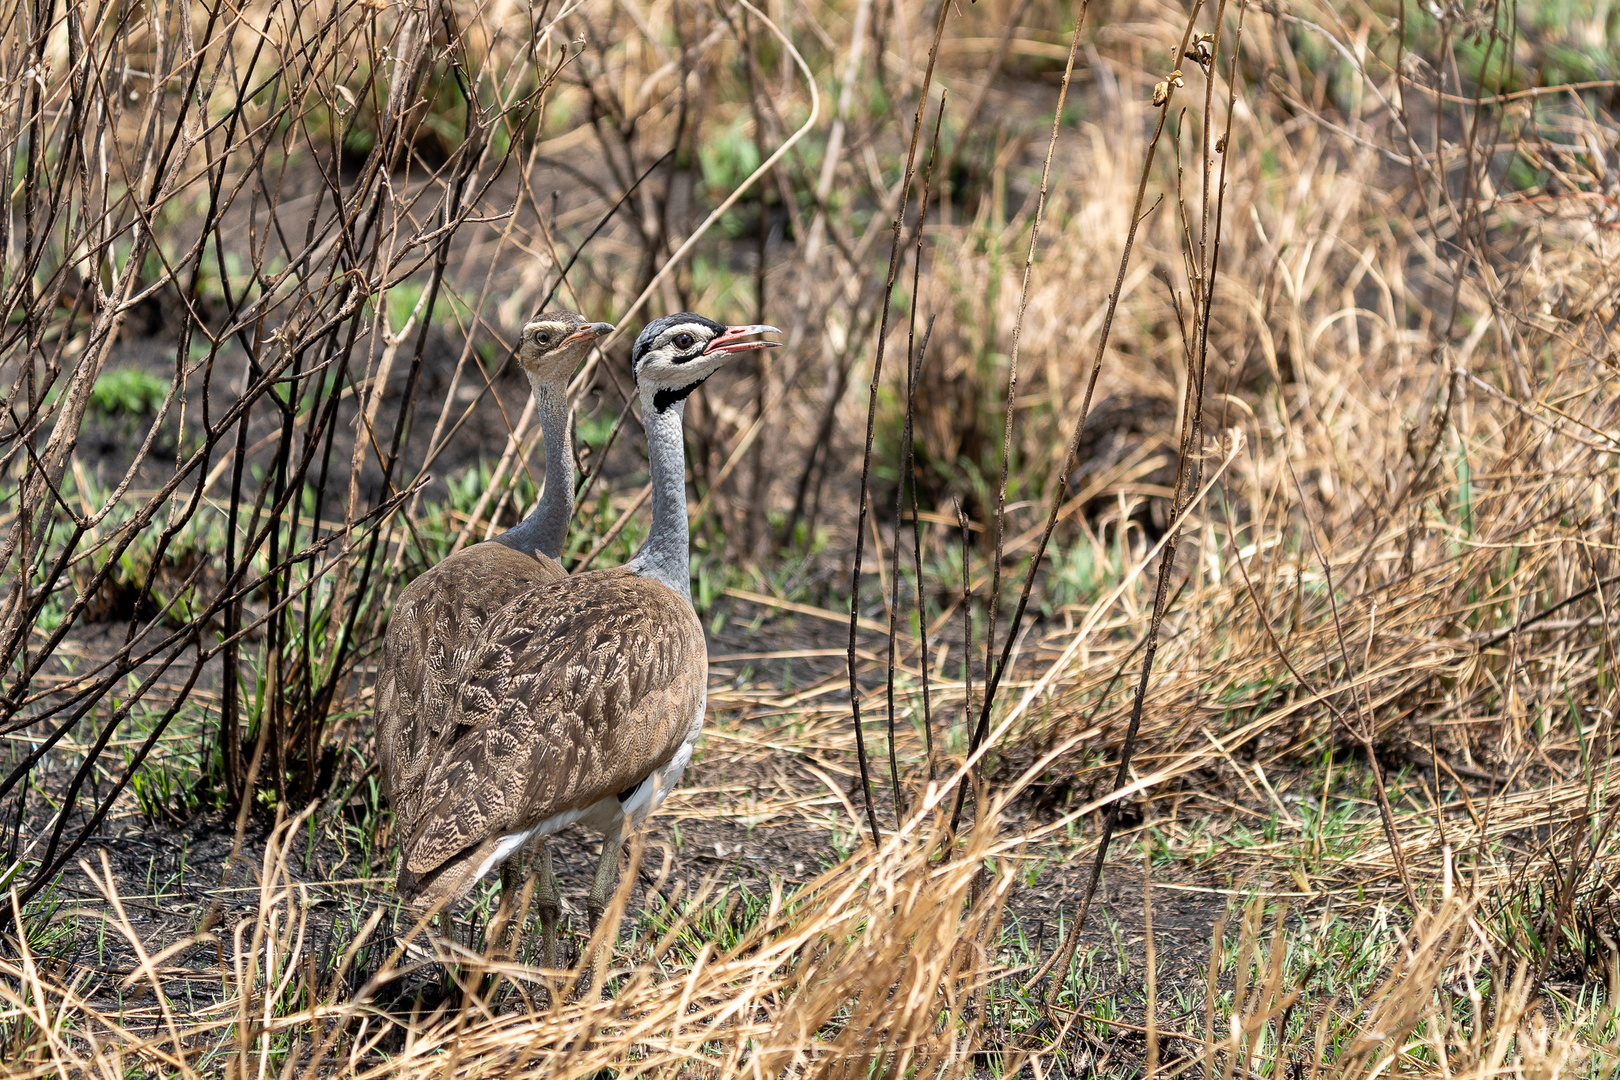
[542, 338]
[684, 341]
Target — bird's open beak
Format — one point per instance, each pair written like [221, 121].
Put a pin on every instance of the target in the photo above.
[591, 332]
[732, 340]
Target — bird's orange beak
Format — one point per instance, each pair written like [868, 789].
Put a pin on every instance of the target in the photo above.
[732, 340]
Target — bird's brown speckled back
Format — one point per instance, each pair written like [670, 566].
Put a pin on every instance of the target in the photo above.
[436, 628]
[576, 691]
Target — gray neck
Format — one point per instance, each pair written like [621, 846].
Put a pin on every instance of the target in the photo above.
[545, 530]
[664, 555]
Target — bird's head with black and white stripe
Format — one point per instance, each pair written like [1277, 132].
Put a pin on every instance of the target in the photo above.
[676, 353]
[555, 343]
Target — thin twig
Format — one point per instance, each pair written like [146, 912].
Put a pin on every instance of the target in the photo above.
[1166, 558]
[993, 673]
[871, 420]
[912, 366]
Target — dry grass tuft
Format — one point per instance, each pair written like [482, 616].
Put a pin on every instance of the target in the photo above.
[880, 966]
[881, 960]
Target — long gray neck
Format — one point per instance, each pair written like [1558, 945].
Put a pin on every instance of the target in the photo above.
[664, 555]
[545, 530]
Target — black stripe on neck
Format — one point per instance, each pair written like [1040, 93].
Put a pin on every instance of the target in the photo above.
[663, 399]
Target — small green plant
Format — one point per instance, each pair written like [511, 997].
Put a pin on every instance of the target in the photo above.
[720, 920]
[128, 391]
[1077, 574]
[178, 779]
[727, 159]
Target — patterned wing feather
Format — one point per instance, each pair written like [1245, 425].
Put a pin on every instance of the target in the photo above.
[579, 691]
[436, 628]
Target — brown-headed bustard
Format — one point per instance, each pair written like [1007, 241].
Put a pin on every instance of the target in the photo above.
[587, 694]
[437, 624]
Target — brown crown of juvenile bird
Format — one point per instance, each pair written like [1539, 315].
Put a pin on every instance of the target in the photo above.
[584, 696]
[440, 617]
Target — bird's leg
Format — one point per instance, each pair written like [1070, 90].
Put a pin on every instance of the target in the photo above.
[525, 897]
[511, 882]
[548, 904]
[607, 870]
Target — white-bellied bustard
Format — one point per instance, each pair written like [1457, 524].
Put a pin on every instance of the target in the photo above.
[586, 695]
[438, 622]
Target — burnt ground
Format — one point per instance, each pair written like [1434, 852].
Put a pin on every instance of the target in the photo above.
[754, 810]
[741, 822]
[169, 881]
[170, 871]
[733, 826]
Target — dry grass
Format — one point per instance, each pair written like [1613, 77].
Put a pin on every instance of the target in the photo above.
[1380, 706]
[793, 996]
[880, 965]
